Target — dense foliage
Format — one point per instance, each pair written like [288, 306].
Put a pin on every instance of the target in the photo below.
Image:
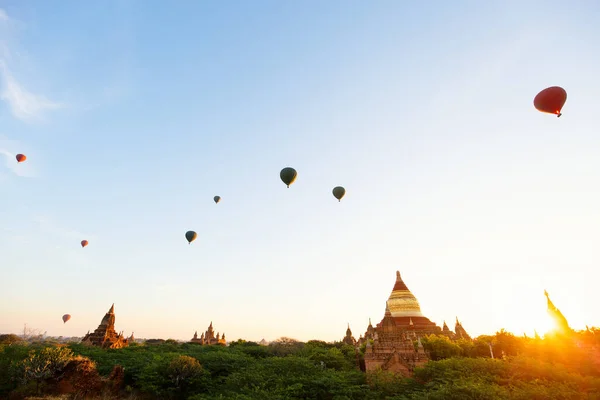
[523, 368]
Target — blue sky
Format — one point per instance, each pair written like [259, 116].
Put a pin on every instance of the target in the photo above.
[134, 114]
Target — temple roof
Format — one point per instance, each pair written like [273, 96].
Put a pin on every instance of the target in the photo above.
[402, 303]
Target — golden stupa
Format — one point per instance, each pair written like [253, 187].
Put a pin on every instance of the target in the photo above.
[402, 303]
[406, 311]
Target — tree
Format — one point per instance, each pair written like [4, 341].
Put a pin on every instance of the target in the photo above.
[507, 344]
[10, 339]
[31, 333]
[48, 363]
[440, 347]
[183, 370]
[285, 345]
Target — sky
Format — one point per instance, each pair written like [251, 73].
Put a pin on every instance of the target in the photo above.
[134, 114]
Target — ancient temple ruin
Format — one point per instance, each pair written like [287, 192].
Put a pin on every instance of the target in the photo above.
[393, 350]
[208, 338]
[395, 343]
[105, 335]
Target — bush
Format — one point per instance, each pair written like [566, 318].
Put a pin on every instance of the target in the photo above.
[42, 366]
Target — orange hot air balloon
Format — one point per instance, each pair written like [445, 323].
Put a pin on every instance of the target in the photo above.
[66, 317]
[21, 157]
[551, 100]
[84, 243]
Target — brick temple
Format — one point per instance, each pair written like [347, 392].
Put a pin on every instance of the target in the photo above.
[394, 344]
[208, 338]
[105, 335]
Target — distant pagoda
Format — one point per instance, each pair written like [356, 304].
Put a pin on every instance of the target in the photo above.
[105, 335]
[208, 338]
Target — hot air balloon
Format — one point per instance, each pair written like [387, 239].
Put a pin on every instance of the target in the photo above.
[288, 175]
[217, 199]
[21, 157]
[190, 236]
[551, 100]
[338, 192]
[66, 317]
[84, 243]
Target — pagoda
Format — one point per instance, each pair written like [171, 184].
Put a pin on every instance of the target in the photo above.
[393, 349]
[105, 335]
[561, 326]
[459, 331]
[349, 339]
[208, 337]
[394, 344]
[406, 311]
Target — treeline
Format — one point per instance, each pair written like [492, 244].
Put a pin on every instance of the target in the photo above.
[522, 368]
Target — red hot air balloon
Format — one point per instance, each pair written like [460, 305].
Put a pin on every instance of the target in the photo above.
[551, 100]
[84, 243]
[66, 317]
[21, 157]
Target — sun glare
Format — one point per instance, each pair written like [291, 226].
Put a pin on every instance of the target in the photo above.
[544, 325]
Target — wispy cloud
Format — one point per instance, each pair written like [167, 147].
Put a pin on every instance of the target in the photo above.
[23, 104]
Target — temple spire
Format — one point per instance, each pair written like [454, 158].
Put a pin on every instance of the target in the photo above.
[549, 302]
[399, 284]
[559, 319]
[112, 309]
[348, 331]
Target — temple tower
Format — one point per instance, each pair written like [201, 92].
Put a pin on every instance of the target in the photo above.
[561, 324]
[208, 337]
[406, 311]
[105, 335]
[349, 339]
[461, 333]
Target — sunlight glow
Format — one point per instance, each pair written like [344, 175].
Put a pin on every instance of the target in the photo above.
[545, 325]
